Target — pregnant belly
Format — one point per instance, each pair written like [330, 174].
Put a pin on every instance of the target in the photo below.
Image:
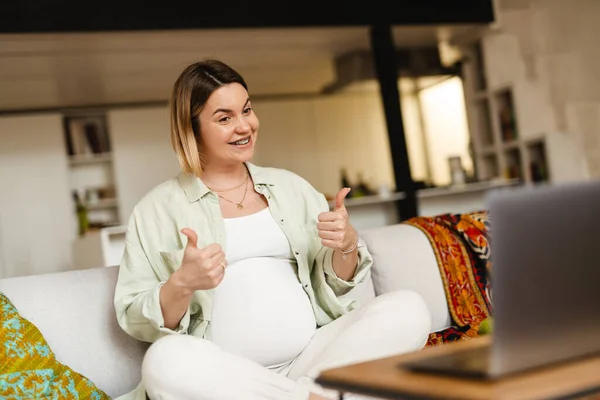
[261, 312]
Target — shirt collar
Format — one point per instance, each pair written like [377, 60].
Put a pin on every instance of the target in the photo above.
[195, 189]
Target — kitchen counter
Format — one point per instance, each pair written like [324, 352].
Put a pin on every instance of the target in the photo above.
[370, 200]
[465, 188]
[374, 211]
[459, 198]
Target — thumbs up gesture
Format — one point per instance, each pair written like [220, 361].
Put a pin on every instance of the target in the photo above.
[334, 227]
[201, 269]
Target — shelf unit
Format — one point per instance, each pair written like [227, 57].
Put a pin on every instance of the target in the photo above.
[499, 150]
[90, 161]
[102, 204]
[87, 159]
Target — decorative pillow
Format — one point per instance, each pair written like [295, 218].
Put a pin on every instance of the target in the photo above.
[28, 367]
[462, 249]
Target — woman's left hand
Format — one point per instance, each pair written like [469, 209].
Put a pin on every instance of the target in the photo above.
[334, 227]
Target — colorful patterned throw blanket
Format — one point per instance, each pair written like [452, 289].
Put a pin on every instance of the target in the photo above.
[462, 249]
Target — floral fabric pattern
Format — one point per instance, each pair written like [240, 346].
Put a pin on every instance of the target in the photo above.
[28, 367]
[463, 253]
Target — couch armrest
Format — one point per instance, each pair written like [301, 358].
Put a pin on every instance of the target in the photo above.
[403, 259]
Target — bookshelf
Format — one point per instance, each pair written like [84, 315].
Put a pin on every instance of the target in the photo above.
[500, 151]
[85, 159]
[91, 172]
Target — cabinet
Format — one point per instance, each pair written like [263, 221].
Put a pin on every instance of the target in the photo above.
[100, 248]
[36, 219]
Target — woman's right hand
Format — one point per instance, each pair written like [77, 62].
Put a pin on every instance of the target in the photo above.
[200, 269]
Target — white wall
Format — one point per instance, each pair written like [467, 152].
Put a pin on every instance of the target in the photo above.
[351, 133]
[316, 137]
[142, 153]
[287, 136]
[36, 210]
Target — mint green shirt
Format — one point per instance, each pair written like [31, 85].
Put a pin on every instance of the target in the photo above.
[154, 247]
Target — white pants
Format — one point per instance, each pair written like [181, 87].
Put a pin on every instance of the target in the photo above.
[180, 367]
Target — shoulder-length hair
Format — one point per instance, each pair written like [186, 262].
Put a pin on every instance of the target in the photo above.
[190, 93]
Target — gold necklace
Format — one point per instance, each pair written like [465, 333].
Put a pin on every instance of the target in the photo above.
[239, 205]
[230, 189]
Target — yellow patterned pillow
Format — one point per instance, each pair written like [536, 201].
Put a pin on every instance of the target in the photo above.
[28, 368]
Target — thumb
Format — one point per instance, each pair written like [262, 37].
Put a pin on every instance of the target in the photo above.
[191, 236]
[339, 199]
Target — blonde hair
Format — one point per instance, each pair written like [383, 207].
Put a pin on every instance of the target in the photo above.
[190, 93]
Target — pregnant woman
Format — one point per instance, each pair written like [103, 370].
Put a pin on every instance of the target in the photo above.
[234, 272]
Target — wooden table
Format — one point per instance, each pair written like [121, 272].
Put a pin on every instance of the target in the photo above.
[383, 378]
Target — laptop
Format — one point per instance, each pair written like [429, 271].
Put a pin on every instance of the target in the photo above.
[545, 243]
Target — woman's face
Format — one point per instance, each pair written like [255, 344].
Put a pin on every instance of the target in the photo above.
[228, 126]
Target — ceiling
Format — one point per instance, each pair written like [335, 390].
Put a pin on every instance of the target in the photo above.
[40, 71]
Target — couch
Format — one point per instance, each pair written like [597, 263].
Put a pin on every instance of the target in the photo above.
[74, 309]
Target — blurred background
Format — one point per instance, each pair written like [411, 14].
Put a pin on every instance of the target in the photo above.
[421, 107]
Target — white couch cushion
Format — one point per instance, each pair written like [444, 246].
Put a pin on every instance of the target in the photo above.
[404, 259]
[75, 313]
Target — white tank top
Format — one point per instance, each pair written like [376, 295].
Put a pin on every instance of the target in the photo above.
[260, 310]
